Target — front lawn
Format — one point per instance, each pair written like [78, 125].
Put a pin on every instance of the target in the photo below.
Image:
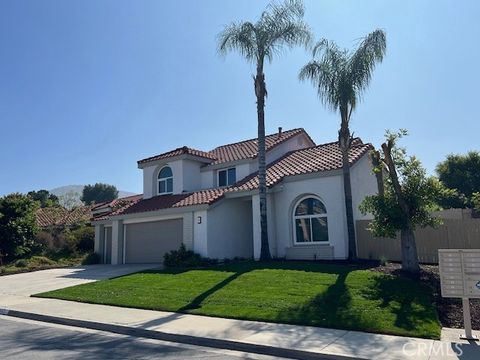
[304, 293]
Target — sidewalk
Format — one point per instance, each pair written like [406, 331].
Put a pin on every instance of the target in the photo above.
[251, 336]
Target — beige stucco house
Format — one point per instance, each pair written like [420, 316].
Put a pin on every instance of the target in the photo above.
[208, 200]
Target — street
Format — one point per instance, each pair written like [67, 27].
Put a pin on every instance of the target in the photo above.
[24, 339]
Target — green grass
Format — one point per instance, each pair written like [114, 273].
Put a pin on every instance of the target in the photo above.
[304, 293]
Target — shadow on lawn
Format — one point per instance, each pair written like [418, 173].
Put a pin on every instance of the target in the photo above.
[412, 305]
[328, 309]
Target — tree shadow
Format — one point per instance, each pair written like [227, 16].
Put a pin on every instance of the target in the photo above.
[327, 309]
[412, 305]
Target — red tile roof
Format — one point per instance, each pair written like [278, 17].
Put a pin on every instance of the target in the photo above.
[320, 158]
[59, 216]
[246, 149]
[324, 157]
[105, 210]
[179, 151]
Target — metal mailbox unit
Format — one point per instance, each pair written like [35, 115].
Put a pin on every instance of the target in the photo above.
[460, 278]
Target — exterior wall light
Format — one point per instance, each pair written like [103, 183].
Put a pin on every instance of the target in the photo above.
[199, 219]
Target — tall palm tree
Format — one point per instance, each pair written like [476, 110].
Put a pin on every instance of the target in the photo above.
[280, 26]
[341, 76]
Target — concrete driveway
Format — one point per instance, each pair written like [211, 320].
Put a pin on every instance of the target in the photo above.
[26, 284]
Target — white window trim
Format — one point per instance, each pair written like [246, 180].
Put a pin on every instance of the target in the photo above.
[164, 180]
[295, 217]
[226, 170]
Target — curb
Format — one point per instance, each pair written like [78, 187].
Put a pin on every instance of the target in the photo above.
[178, 338]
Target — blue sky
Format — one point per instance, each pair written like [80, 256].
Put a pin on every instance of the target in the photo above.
[87, 88]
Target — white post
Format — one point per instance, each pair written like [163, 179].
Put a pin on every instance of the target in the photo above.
[467, 321]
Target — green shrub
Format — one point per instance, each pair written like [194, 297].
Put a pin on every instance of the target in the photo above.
[21, 263]
[91, 259]
[383, 260]
[83, 238]
[185, 258]
[37, 261]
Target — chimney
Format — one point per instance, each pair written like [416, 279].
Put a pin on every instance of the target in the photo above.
[279, 132]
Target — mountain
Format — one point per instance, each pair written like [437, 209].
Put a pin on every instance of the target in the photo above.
[62, 190]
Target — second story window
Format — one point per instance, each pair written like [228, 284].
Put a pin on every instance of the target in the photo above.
[227, 177]
[165, 181]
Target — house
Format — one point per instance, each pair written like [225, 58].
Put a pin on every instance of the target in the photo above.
[208, 200]
[59, 217]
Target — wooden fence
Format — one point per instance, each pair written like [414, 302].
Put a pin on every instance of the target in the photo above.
[453, 234]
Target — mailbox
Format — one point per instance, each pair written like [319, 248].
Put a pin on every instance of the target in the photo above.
[460, 278]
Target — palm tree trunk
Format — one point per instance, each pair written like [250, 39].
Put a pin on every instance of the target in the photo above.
[344, 143]
[409, 251]
[260, 91]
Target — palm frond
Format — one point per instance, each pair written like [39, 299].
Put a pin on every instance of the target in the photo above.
[239, 37]
[363, 61]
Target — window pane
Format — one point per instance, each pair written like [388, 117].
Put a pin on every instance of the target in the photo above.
[222, 178]
[310, 206]
[170, 185]
[320, 229]
[316, 207]
[161, 187]
[231, 176]
[165, 172]
[302, 227]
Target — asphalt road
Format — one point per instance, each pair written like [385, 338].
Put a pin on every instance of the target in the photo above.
[24, 339]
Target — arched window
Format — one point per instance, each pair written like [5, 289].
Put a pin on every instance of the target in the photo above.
[165, 180]
[310, 221]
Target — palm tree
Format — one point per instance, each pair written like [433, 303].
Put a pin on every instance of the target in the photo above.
[341, 76]
[280, 25]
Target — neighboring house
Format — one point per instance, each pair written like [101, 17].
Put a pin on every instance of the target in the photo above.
[209, 201]
[58, 216]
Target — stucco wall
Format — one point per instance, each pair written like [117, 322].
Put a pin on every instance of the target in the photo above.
[330, 190]
[150, 177]
[230, 229]
[191, 175]
[200, 233]
[363, 184]
[295, 143]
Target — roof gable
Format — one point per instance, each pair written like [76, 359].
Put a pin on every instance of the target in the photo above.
[247, 149]
[326, 157]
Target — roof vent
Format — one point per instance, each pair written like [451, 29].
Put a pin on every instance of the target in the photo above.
[279, 132]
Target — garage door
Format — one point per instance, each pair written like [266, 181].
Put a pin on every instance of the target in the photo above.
[148, 242]
[107, 250]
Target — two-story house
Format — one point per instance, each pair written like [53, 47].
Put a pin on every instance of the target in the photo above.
[208, 200]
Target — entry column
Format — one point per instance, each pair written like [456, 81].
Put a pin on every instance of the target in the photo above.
[117, 242]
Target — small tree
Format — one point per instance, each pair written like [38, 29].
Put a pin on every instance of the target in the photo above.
[94, 194]
[476, 201]
[44, 198]
[70, 200]
[405, 200]
[461, 173]
[17, 226]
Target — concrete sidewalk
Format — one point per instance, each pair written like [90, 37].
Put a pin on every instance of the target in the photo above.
[251, 336]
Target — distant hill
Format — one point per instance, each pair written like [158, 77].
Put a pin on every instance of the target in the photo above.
[62, 190]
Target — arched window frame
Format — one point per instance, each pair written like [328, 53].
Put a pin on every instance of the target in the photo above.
[164, 180]
[310, 216]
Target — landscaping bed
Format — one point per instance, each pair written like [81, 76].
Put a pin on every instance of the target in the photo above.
[330, 295]
[450, 310]
[36, 263]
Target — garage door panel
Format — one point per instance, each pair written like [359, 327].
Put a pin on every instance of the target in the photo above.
[147, 242]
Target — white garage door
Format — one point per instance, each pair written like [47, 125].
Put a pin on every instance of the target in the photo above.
[148, 242]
